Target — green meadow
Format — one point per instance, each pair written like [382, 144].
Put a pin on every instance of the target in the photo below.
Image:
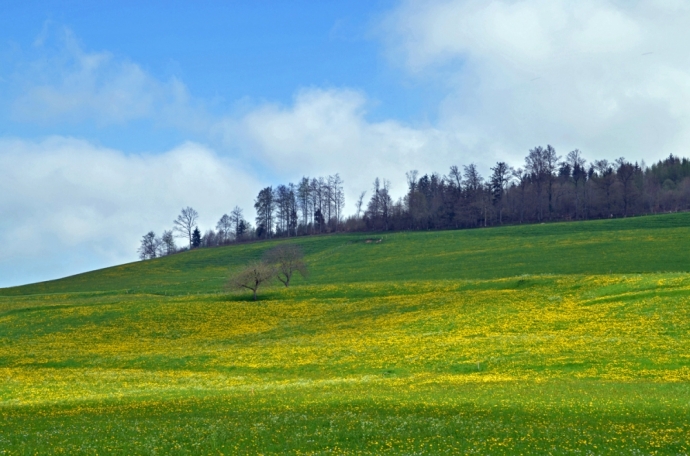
[568, 338]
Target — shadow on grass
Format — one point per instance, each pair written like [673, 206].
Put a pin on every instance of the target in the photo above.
[249, 297]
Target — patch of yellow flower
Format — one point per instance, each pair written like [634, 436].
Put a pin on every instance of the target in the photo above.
[532, 329]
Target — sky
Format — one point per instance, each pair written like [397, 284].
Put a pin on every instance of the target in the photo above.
[116, 115]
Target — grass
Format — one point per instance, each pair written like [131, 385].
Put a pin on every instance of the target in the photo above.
[633, 245]
[561, 339]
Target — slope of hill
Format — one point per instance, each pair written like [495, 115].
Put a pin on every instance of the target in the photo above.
[563, 338]
[632, 245]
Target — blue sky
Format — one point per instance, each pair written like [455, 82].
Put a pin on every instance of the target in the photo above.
[115, 115]
[229, 54]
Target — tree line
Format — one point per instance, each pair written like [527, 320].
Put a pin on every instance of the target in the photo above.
[547, 187]
[312, 206]
[230, 228]
[309, 207]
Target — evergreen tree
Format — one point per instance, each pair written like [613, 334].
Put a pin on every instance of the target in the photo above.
[265, 206]
[196, 238]
[242, 228]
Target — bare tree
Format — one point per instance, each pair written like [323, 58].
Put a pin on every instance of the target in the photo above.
[577, 164]
[328, 195]
[535, 165]
[211, 239]
[286, 210]
[551, 162]
[626, 172]
[303, 198]
[168, 242]
[287, 259]
[236, 218]
[185, 223]
[359, 203]
[412, 179]
[317, 200]
[224, 227]
[338, 196]
[149, 246]
[473, 189]
[605, 180]
[473, 180]
[455, 176]
[252, 277]
[380, 204]
[386, 202]
[522, 179]
[498, 183]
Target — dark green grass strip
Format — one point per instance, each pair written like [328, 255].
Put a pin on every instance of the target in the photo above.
[552, 418]
[634, 245]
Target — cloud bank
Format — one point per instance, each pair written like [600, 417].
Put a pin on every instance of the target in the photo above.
[70, 206]
[612, 78]
[326, 131]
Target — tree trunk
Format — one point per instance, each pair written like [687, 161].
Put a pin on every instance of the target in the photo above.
[550, 203]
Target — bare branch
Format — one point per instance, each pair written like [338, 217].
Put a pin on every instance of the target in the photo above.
[252, 277]
[287, 259]
[185, 223]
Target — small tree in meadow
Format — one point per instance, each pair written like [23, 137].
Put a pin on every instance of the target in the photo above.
[252, 277]
[287, 260]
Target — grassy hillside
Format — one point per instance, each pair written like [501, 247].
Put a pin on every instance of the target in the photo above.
[561, 339]
[633, 245]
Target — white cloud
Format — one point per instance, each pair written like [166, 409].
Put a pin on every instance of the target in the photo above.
[612, 78]
[326, 132]
[73, 85]
[515, 32]
[66, 201]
